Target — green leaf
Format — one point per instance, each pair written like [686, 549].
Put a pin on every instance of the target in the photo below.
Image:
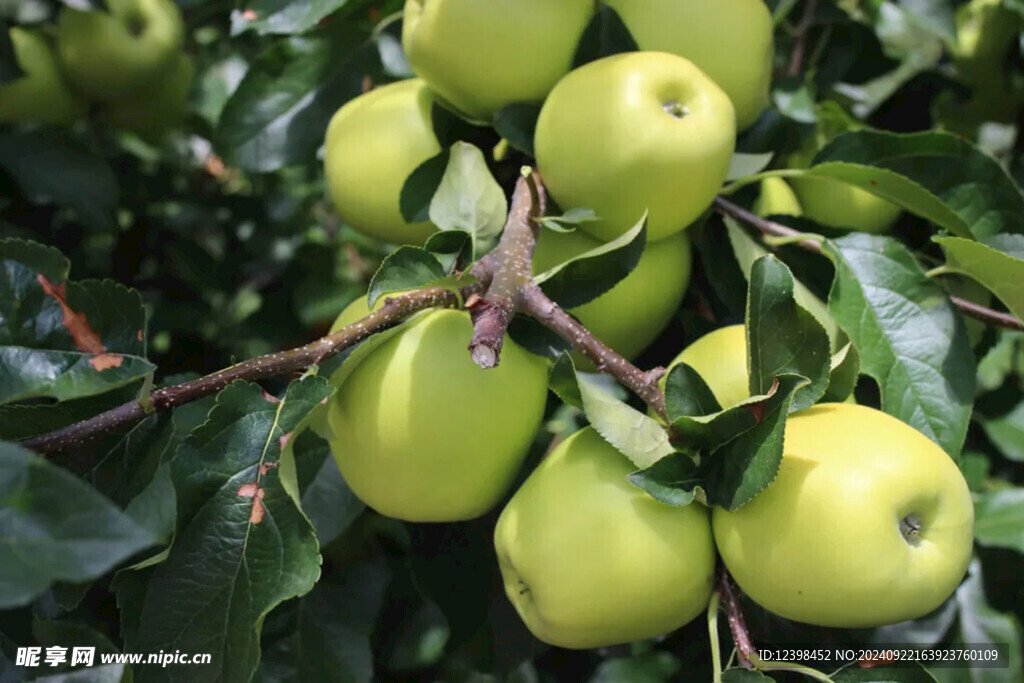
[420, 187]
[154, 508]
[51, 169]
[605, 35]
[843, 373]
[404, 269]
[746, 465]
[911, 339]
[279, 112]
[327, 500]
[55, 527]
[533, 336]
[1007, 432]
[243, 545]
[469, 198]
[10, 70]
[517, 123]
[687, 394]
[742, 165]
[60, 339]
[592, 273]
[650, 667]
[636, 435]
[938, 176]
[980, 624]
[451, 247]
[1000, 270]
[999, 519]
[741, 675]
[856, 674]
[673, 480]
[782, 337]
[290, 18]
[747, 251]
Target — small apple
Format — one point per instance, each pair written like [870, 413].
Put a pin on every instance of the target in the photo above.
[720, 358]
[777, 199]
[590, 560]
[373, 143]
[729, 40]
[159, 109]
[835, 204]
[118, 54]
[867, 523]
[986, 36]
[422, 434]
[636, 310]
[40, 94]
[635, 132]
[481, 56]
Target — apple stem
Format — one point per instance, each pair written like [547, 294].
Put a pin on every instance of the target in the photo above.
[745, 649]
[969, 308]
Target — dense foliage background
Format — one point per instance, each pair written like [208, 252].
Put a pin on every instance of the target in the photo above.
[217, 244]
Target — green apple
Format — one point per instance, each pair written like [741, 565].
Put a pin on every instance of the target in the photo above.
[40, 94]
[118, 54]
[867, 523]
[590, 560]
[373, 143]
[422, 434]
[986, 35]
[480, 56]
[777, 199]
[635, 311]
[729, 40]
[635, 132]
[835, 204]
[160, 108]
[720, 358]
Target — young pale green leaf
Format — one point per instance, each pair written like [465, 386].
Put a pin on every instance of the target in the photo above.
[938, 176]
[687, 394]
[517, 123]
[1002, 360]
[748, 251]
[636, 435]
[746, 465]
[843, 374]
[55, 527]
[742, 165]
[568, 221]
[278, 113]
[420, 187]
[64, 340]
[673, 480]
[1006, 432]
[450, 247]
[999, 268]
[605, 35]
[979, 623]
[911, 339]
[591, 274]
[999, 519]
[243, 545]
[404, 269]
[469, 198]
[782, 337]
[60, 172]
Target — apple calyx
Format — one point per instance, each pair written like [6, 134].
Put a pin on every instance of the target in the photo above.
[910, 529]
[676, 109]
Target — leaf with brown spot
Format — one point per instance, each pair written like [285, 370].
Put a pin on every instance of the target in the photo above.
[85, 338]
[106, 361]
[248, 490]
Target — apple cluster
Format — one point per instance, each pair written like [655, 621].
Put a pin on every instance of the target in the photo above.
[588, 559]
[127, 61]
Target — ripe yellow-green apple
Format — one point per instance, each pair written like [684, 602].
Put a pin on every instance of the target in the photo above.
[590, 560]
[720, 358]
[867, 523]
[636, 310]
[480, 55]
[373, 143]
[422, 434]
[159, 109]
[836, 204]
[777, 199]
[40, 94]
[634, 132]
[116, 54]
[729, 40]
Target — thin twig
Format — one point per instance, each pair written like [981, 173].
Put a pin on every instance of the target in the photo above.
[737, 624]
[800, 32]
[986, 315]
[295, 360]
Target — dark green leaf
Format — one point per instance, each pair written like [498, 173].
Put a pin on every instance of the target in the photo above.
[10, 69]
[51, 169]
[999, 519]
[289, 18]
[981, 624]
[154, 508]
[782, 337]
[605, 35]
[741, 675]
[451, 247]
[517, 123]
[536, 338]
[327, 501]
[687, 394]
[843, 375]
[672, 480]
[593, 273]
[55, 527]
[404, 269]
[910, 337]
[651, 667]
[421, 186]
[1007, 432]
[856, 674]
